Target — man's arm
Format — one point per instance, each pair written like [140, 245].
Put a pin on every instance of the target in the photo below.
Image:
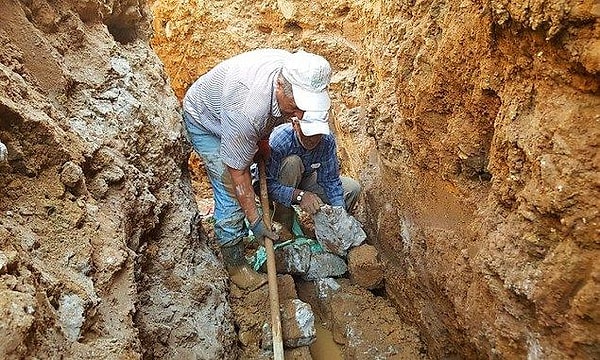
[244, 192]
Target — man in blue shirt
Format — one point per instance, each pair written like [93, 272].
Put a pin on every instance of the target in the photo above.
[303, 169]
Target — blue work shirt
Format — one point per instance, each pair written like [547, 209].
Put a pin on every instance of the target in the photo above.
[322, 159]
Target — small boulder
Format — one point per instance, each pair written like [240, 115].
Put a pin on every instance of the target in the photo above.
[297, 323]
[364, 267]
[336, 230]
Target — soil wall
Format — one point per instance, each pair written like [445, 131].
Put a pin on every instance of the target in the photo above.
[100, 255]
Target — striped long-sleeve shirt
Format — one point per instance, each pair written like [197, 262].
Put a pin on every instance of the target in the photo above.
[236, 102]
[322, 159]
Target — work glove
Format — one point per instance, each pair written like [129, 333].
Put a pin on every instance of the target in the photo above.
[264, 150]
[260, 231]
[311, 203]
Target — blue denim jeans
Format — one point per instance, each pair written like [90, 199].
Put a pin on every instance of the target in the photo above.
[229, 217]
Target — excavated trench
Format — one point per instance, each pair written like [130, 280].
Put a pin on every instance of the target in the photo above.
[348, 314]
[473, 126]
[464, 123]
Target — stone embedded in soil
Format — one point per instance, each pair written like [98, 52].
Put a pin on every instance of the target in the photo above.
[364, 267]
[297, 323]
[3, 152]
[324, 265]
[293, 259]
[70, 174]
[266, 337]
[316, 292]
[7, 259]
[70, 316]
[336, 230]
[299, 353]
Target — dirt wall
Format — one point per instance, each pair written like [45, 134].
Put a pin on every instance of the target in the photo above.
[474, 129]
[100, 255]
[489, 143]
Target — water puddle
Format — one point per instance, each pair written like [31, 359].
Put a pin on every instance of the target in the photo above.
[324, 348]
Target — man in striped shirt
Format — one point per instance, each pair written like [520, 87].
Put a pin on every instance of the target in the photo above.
[303, 169]
[227, 112]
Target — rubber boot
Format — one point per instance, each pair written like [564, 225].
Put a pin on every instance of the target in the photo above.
[285, 216]
[242, 275]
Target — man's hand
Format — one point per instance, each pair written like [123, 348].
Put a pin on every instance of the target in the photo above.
[260, 231]
[264, 150]
[311, 203]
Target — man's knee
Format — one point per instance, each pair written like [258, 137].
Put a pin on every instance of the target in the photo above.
[352, 190]
[352, 186]
[292, 162]
[291, 170]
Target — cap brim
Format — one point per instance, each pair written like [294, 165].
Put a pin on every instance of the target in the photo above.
[315, 123]
[310, 101]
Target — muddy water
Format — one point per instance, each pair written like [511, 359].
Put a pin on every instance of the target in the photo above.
[324, 348]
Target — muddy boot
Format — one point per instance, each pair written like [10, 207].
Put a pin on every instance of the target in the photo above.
[239, 270]
[285, 216]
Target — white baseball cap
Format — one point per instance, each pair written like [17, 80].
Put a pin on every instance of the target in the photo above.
[315, 122]
[309, 75]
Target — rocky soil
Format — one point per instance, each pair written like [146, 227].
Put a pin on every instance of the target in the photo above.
[474, 127]
[100, 255]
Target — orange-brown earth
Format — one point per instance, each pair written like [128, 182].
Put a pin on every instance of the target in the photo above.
[474, 127]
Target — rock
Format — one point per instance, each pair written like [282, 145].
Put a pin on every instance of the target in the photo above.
[8, 259]
[3, 152]
[336, 230]
[70, 314]
[297, 323]
[364, 267]
[71, 174]
[120, 65]
[113, 174]
[266, 337]
[98, 187]
[324, 265]
[293, 259]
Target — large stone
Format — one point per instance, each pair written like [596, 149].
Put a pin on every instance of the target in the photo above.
[297, 323]
[293, 259]
[364, 267]
[337, 231]
[324, 265]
